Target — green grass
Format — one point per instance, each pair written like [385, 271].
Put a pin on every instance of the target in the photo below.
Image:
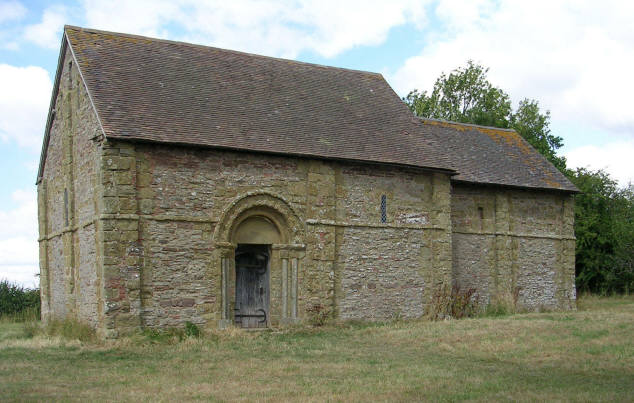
[568, 356]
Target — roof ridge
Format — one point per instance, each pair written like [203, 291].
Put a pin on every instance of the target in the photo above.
[451, 122]
[238, 52]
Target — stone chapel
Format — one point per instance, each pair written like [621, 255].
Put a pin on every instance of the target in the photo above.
[180, 182]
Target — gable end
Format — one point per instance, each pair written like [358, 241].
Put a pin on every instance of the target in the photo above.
[65, 45]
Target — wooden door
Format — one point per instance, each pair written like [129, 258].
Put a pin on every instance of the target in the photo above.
[252, 286]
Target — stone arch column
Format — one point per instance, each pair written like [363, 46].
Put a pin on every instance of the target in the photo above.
[287, 251]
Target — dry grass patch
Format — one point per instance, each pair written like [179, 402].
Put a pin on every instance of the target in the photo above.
[569, 356]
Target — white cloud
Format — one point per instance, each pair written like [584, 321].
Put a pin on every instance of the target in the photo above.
[458, 14]
[18, 239]
[18, 250]
[615, 158]
[24, 102]
[575, 57]
[22, 275]
[11, 10]
[48, 32]
[142, 17]
[277, 28]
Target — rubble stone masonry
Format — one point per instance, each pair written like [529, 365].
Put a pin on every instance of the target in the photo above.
[69, 199]
[514, 246]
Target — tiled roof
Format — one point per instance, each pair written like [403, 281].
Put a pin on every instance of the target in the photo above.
[146, 89]
[171, 92]
[490, 155]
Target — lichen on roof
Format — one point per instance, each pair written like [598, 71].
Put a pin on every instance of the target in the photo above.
[483, 154]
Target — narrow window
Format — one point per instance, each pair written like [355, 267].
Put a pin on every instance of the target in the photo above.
[66, 207]
[383, 208]
[481, 215]
[70, 74]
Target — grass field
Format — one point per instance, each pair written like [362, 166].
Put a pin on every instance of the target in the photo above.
[587, 355]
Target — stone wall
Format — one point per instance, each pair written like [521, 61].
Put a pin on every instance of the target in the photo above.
[384, 267]
[184, 192]
[514, 245]
[141, 235]
[167, 207]
[67, 200]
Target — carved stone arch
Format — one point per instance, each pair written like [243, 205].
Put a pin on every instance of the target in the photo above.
[261, 218]
[263, 204]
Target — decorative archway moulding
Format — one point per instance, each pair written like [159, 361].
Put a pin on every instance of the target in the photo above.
[261, 203]
[285, 258]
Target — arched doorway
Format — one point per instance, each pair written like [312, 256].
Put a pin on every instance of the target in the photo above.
[259, 244]
[254, 236]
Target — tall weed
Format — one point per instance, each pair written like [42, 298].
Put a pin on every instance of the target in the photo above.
[454, 302]
[318, 315]
[504, 305]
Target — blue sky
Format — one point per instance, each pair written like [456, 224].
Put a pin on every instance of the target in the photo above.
[574, 57]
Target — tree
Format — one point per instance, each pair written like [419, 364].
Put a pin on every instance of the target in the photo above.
[621, 278]
[16, 300]
[604, 228]
[534, 126]
[467, 96]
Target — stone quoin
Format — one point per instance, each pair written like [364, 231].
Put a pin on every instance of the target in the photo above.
[183, 183]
